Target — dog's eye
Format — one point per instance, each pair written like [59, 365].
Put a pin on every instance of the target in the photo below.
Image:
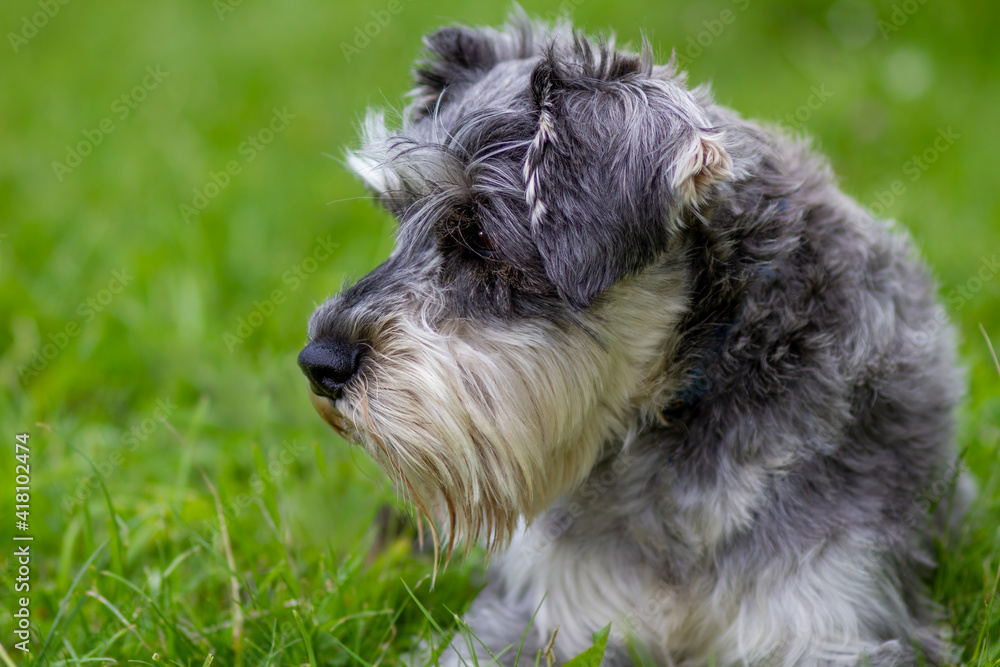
[475, 238]
[483, 241]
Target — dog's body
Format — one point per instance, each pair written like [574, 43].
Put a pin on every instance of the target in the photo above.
[701, 393]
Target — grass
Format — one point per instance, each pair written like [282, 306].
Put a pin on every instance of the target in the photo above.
[187, 506]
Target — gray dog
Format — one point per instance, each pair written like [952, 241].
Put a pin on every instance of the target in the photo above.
[652, 353]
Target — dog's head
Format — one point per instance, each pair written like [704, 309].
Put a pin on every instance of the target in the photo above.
[527, 313]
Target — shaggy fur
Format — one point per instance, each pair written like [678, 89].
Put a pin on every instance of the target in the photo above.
[649, 350]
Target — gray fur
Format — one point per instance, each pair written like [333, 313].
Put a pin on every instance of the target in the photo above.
[746, 480]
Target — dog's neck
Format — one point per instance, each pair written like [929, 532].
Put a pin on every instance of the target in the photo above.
[696, 383]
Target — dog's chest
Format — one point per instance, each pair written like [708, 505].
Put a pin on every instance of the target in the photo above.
[581, 585]
[632, 546]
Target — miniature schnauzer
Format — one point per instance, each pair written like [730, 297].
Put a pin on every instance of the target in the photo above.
[650, 351]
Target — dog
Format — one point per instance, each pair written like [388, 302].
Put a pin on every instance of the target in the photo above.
[651, 353]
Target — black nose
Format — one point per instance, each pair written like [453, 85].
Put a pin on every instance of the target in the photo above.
[329, 365]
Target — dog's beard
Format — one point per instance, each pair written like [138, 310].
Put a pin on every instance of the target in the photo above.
[481, 426]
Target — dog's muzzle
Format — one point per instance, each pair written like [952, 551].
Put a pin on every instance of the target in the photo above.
[329, 365]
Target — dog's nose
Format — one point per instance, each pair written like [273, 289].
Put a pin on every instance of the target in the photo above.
[329, 365]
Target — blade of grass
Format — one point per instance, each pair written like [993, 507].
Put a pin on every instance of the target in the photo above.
[65, 601]
[592, 656]
[88, 528]
[117, 554]
[66, 549]
[351, 653]
[308, 640]
[265, 478]
[234, 581]
[177, 561]
[6, 658]
[114, 610]
[989, 343]
[440, 631]
[320, 461]
[422, 608]
[106, 644]
[152, 605]
[524, 635]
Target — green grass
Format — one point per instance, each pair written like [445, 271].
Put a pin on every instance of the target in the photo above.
[201, 324]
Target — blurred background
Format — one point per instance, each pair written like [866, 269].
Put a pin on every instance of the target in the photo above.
[173, 205]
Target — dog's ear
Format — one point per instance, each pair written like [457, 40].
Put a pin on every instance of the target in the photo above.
[454, 55]
[459, 55]
[615, 159]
